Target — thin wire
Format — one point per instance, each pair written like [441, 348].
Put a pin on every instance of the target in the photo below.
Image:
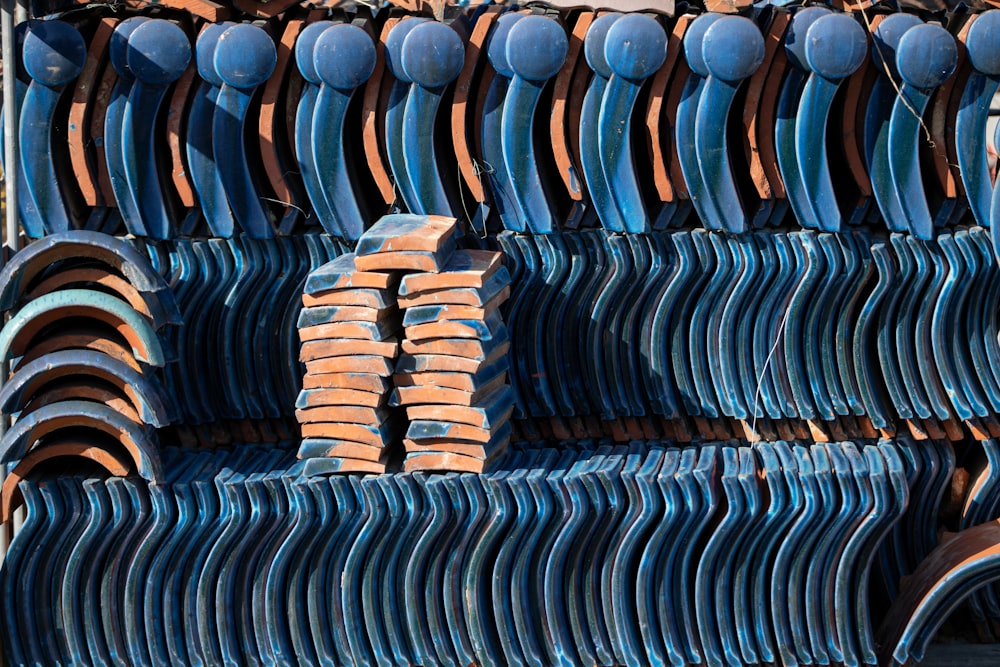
[888, 75]
[760, 378]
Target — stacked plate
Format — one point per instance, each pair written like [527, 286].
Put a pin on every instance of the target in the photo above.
[85, 342]
[452, 375]
[348, 328]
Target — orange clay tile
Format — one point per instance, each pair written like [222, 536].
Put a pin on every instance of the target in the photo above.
[451, 312]
[766, 112]
[405, 233]
[336, 330]
[462, 381]
[24, 339]
[315, 418]
[369, 382]
[343, 347]
[475, 450]
[559, 123]
[374, 140]
[354, 313]
[178, 172]
[577, 92]
[265, 9]
[458, 297]
[359, 433]
[82, 390]
[210, 11]
[465, 268]
[670, 116]
[349, 278]
[356, 364]
[457, 433]
[751, 108]
[10, 496]
[430, 394]
[270, 119]
[80, 339]
[856, 86]
[340, 466]
[454, 329]
[455, 414]
[359, 297]
[474, 56]
[449, 364]
[78, 135]
[427, 461]
[326, 397]
[859, 86]
[91, 276]
[403, 260]
[98, 114]
[451, 347]
[654, 108]
[346, 449]
[944, 107]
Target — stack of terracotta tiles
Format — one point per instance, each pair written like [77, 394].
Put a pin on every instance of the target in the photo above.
[452, 374]
[348, 329]
[451, 377]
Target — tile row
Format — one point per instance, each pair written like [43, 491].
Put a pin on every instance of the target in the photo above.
[638, 554]
[526, 120]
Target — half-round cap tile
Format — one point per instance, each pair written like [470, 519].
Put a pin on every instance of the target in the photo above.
[20, 330]
[204, 49]
[145, 393]
[733, 48]
[885, 39]
[81, 416]
[118, 46]
[635, 46]
[103, 279]
[82, 337]
[83, 388]
[433, 55]
[54, 52]
[798, 29]
[10, 495]
[245, 56]
[158, 52]
[496, 48]
[344, 56]
[983, 43]
[20, 271]
[394, 46]
[836, 46]
[537, 48]
[927, 55]
[694, 39]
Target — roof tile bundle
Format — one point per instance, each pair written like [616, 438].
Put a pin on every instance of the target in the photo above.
[86, 342]
[452, 376]
[348, 329]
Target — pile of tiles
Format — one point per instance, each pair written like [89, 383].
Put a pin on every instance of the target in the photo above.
[235, 375]
[785, 333]
[567, 555]
[522, 120]
[349, 330]
[406, 287]
[452, 375]
[85, 339]
[777, 223]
